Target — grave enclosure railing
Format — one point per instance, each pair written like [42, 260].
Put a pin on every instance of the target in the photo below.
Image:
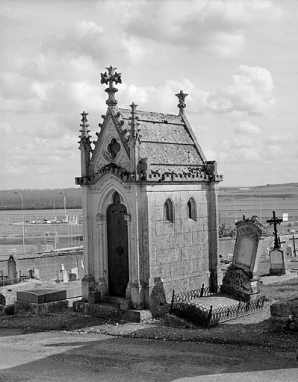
[182, 306]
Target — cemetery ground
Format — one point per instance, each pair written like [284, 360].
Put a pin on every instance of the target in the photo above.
[250, 330]
[69, 346]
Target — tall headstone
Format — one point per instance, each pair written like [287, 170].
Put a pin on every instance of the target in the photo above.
[12, 270]
[241, 278]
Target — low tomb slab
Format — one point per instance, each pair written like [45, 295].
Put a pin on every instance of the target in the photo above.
[41, 296]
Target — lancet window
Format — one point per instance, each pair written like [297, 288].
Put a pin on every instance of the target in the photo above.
[169, 210]
[191, 209]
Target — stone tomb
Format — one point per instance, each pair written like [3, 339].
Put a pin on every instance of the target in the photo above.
[52, 298]
[278, 261]
[241, 278]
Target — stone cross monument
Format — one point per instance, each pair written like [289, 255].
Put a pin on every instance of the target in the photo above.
[278, 257]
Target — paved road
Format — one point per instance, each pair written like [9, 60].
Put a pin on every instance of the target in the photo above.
[66, 357]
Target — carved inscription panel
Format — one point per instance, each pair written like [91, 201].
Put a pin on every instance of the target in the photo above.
[246, 248]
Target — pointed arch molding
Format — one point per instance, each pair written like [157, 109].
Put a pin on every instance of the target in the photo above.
[109, 181]
[102, 155]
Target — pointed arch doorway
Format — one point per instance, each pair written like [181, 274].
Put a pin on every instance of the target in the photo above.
[117, 234]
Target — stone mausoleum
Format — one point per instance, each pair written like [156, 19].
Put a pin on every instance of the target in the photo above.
[150, 204]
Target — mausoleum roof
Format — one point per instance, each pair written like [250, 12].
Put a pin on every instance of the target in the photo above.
[166, 140]
[142, 145]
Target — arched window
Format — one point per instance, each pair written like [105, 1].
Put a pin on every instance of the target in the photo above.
[191, 209]
[169, 210]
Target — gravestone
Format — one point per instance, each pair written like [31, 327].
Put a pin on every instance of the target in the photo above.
[12, 270]
[289, 252]
[278, 262]
[62, 274]
[278, 256]
[36, 273]
[158, 303]
[74, 274]
[241, 278]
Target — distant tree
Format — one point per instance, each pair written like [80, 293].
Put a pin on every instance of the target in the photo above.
[226, 231]
[35, 199]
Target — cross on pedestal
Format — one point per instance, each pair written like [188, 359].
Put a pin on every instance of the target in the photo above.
[294, 238]
[275, 221]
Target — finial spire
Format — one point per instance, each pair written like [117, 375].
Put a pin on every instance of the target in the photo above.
[181, 97]
[84, 125]
[109, 78]
[133, 124]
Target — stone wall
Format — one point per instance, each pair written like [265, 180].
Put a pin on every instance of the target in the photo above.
[226, 246]
[179, 251]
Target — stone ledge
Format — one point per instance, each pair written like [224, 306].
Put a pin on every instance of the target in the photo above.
[103, 310]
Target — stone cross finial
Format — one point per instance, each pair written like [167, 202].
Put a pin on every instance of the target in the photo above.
[181, 96]
[84, 125]
[109, 78]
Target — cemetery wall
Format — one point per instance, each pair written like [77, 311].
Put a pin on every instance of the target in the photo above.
[48, 264]
[179, 251]
[226, 246]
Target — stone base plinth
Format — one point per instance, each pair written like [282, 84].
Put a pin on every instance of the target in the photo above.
[277, 271]
[237, 283]
[278, 262]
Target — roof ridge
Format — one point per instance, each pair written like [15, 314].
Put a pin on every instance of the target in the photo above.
[150, 112]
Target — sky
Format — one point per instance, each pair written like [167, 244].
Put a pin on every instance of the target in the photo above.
[236, 60]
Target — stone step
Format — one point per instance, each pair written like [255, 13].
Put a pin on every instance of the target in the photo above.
[120, 302]
[111, 311]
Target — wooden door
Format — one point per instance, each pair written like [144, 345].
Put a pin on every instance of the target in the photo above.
[117, 247]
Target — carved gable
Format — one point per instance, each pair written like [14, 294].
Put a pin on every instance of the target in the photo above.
[109, 149]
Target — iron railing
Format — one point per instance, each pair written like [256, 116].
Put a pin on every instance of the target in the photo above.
[195, 293]
[182, 307]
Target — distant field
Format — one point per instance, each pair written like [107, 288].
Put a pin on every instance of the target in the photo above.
[11, 231]
[234, 202]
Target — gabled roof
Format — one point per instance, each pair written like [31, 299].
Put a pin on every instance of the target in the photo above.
[141, 145]
[166, 140]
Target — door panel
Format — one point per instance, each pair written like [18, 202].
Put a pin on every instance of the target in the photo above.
[117, 247]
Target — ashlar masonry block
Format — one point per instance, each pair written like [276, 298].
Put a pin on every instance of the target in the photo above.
[156, 213]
